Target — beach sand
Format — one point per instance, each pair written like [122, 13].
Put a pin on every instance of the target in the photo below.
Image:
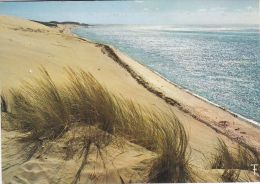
[26, 45]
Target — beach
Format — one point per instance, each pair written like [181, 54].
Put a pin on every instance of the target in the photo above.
[27, 45]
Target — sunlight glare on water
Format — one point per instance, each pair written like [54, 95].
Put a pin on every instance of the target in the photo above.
[221, 64]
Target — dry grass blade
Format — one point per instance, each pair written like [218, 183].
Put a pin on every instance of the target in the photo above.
[85, 153]
[173, 162]
[232, 160]
[230, 175]
[41, 105]
[3, 103]
[91, 102]
[36, 107]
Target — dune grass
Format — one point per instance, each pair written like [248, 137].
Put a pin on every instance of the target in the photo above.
[3, 103]
[173, 162]
[233, 160]
[45, 111]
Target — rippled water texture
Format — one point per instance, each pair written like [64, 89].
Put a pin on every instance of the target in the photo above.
[220, 64]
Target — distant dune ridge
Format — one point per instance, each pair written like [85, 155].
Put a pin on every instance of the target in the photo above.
[82, 116]
[55, 23]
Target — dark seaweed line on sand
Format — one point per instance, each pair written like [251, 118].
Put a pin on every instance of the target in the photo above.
[106, 49]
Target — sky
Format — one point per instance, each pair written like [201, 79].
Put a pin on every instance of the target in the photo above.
[139, 11]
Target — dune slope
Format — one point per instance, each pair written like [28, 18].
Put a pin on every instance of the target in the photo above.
[26, 45]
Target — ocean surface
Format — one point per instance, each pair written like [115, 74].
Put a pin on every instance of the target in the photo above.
[221, 64]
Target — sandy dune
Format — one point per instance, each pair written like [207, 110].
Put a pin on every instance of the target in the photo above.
[25, 46]
[127, 162]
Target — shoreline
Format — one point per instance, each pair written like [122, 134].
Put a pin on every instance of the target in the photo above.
[58, 47]
[28, 46]
[114, 54]
[247, 120]
[236, 115]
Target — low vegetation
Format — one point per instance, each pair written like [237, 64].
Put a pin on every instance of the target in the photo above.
[173, 162]
[233, 160]
[45, 111]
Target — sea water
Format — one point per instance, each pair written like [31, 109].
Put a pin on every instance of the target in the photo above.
[219, 63]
